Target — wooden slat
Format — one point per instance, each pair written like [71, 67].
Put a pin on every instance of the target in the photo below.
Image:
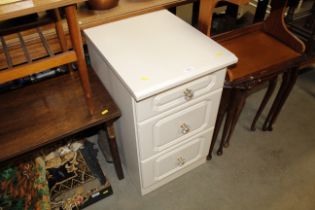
[37, 66]
[44, 42]
[35, 47]
[6, 52]
[24, 48]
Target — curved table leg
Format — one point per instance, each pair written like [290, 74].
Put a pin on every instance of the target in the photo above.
[270, 90]
[239, 99]
[275, 104]
[292, 77]
[233, 113]
[224, 104]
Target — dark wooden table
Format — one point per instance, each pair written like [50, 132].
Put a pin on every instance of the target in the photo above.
[51, 110]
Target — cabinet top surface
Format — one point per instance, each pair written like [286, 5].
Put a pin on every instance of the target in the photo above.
[25, 7]
[157, 51]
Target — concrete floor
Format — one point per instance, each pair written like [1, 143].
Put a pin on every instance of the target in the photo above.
[260, 170]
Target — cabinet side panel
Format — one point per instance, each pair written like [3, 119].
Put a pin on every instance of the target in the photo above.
[124, 126]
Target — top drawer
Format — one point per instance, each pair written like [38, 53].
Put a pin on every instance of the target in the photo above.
[179, 95]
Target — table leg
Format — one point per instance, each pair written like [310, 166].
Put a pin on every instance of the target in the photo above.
[261, 10]
[292, 77]
[226, 128]
[111, 137]
[239, 102]
[224, 105]
[77, 45]
[277, 101]
[270, 90]
[61, 35]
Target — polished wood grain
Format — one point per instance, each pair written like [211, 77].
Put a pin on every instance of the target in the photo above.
[37, 66]
[77, 45]
[88, 18]
[48, 111]
[304, 27]
[125, 8]
[26, 7]
[276, 26]
[264, 50]
[243, 42]
[2, 2]
[34, 45]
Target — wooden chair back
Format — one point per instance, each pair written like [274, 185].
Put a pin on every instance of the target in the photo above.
[206, 12]
[274, 24]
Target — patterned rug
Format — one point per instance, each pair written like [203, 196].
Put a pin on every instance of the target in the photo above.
[24, 186]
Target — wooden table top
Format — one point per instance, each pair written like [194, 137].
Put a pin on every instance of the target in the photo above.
[88, 18]
[37, 115]
[126, 8]
[25, 7]
[48, 111]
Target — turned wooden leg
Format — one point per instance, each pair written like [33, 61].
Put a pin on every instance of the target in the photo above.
[61, 35]
[110, 132]
[270, 90]
[275, 104]
[292, 80]
[225, 100]
[239, 100]
[77, 45]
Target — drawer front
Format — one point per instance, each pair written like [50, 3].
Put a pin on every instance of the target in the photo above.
[179, 95]
[172, 162]
[168, 129]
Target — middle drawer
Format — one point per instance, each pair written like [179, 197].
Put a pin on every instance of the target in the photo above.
[168, 129]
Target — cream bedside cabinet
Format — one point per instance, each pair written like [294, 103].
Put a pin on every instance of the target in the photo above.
[167, 79]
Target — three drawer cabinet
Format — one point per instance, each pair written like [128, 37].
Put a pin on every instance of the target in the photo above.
[167, 79]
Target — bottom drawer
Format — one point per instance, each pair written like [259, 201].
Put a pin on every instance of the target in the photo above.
[175, 159]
